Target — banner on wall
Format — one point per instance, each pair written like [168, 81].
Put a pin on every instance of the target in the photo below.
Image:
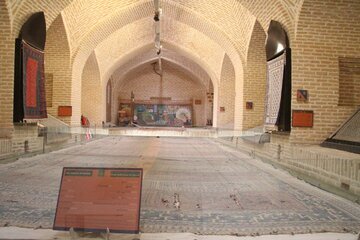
[34, 101]
[158, 114]
[275, 77]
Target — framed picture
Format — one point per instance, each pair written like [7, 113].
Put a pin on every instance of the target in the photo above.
[249, 105]
[302, 95]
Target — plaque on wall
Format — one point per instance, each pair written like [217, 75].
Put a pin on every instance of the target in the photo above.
[249, 105]
[302, 95]
[197, 102]
[302, 118]
[65, 111]
[97, 199]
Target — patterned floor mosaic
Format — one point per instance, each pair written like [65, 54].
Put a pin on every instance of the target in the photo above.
[190, 185]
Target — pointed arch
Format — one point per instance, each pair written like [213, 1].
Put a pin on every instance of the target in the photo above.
[255, 79]
[57, 67]
[91, 94]
[226, 96]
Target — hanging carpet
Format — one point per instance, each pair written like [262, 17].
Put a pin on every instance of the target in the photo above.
[34, 100]
[275, 76]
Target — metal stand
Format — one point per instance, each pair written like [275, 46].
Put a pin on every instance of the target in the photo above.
[76, 236]
[106, 235]
[73, 234]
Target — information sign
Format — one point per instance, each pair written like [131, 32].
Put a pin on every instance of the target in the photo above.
[302, 118]
[94, 199]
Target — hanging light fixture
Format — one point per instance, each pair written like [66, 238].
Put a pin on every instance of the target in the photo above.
[158, 46]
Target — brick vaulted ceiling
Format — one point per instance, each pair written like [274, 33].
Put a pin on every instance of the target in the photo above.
[205, 29]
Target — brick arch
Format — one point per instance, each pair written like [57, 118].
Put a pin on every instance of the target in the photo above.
[284, 11]
[225, 21]
[226, 96]
[100, 33]
[240, 13]
[125, 76]
[111, 53]
[255, 79]
[92, 102]
[58, 66]
[143, 55]
[131, 56]
[22, 9]
[121, 74]
[122, 18]
[7, 77]
[233, 18]
[204, 79]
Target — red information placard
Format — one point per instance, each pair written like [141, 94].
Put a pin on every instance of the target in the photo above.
[302, 118]
[94, 199]
[65, 111]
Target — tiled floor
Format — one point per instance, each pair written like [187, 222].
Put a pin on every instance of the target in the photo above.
[221, 191]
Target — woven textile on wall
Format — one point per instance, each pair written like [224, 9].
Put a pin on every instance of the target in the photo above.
[34, 100]
[275, 76]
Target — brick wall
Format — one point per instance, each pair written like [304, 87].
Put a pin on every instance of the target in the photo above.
[326, 31]
[226, 106]
[92, 92]
[255, 79]
[320, 33]
[349, 81]
[6, 73]
[57, 64]
[21, 10]
[177, 84]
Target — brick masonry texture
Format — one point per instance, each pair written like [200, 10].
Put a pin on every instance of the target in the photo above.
[255, 79]
[349, 81]
[226, 95]
[57, 63]
[91, 97]
[90, 42]
[84, 33]
[326, 30]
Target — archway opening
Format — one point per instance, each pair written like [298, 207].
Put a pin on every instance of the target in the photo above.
[278, 93]
[176, 99]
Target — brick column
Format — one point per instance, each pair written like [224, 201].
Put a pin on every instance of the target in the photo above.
[7, 47]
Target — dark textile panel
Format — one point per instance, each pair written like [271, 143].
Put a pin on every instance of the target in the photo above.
[34, 101]
[18, 111]
[29, 89]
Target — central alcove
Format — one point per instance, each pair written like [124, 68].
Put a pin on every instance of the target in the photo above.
[174, 99]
